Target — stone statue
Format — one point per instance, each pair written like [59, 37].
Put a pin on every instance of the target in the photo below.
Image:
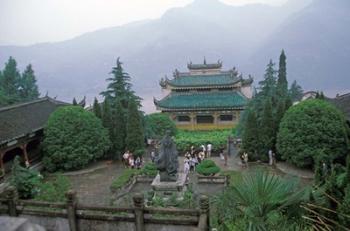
[166, 161]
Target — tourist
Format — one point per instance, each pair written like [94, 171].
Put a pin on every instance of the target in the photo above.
[186, 165]
[270, 157]
[273, 158]
[131, 161]
[138, 162]
[209, 148]
[225, 156]
[192, 150]
[187, 155]
[203, 148]
[201, 156]
[245, 158]
[126, 158]
[153, 156]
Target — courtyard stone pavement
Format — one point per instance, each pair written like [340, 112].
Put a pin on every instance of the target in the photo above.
[92, 184]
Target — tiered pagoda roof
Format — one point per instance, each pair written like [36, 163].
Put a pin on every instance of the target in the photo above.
[202, 101]
[204, 87]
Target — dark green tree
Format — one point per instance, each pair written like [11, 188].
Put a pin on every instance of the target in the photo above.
[73, 137]
[107, 118]
[74, 102]
[157, 124]
[295, 92]
[281, 108]
[268, 85]
[282, 83]
[134, 137]
[97, 108]
[24, 180]
[119, 87]
[312, 128]
[120, 130]
[28, 87]
[251, 141]
[267, 130]
[9, 81]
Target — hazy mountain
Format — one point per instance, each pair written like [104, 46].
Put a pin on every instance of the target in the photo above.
[316, 41]
[151, 49]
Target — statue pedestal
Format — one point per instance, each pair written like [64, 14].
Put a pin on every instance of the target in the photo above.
[166, 189]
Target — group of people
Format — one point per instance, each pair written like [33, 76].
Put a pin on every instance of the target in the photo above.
[195, 157]
[130, 161]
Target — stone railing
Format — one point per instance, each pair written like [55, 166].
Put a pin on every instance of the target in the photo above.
[213, 179]
[74, 216]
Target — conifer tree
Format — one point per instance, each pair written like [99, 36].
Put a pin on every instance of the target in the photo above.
[120, 130]
[295, 92]
[268, 85]
[97, 108]
[28, 87]
[282, 83]
[74, 102]
[107, 117]
[119, 87]
[280, 112]
[267, 129]
[250, 135]
[9, 81]
[134, 138]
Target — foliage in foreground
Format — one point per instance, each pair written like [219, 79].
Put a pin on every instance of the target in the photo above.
[54, 190]
[185, 139]
[207, 168]
[73, 138]
[312, 130]
[24, 180]
[261, 201]
[156, 124]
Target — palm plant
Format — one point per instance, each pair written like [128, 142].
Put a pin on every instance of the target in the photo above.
[261, 201]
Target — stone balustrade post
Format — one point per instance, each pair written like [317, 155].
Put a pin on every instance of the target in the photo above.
[204, 213]
[12, 197]
[71, 210]
[138, 211]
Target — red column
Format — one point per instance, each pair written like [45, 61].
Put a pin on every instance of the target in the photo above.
[24, 149]
[2, 169]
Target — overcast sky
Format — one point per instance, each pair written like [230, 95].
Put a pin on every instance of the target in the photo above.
[24, 22]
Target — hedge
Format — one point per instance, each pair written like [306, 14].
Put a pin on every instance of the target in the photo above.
[218, 138]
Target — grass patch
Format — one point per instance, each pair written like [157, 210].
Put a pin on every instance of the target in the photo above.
[233, 176]
[150, 169]
[54, 189]
[124, 178]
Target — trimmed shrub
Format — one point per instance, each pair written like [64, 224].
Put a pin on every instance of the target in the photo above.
[24, 180]
[312, 130]
[207, 168]
[150, 169]
[73, 138]
[157, 124]
[218, 138]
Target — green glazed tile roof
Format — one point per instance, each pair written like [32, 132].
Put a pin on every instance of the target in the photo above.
[203, 80]
[203, 100]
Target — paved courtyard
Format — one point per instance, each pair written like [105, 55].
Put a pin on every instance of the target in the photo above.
[92, 184]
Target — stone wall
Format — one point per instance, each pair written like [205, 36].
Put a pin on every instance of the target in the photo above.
[73, 216]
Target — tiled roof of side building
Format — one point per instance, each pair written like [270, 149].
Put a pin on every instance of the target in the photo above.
[22, 119]
[204, 80]
[203, 100]
[342, 102]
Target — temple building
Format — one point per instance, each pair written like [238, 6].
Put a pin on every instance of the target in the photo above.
[205, 97]
[21, 130]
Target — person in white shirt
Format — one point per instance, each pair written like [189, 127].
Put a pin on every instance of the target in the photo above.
[209, 148]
